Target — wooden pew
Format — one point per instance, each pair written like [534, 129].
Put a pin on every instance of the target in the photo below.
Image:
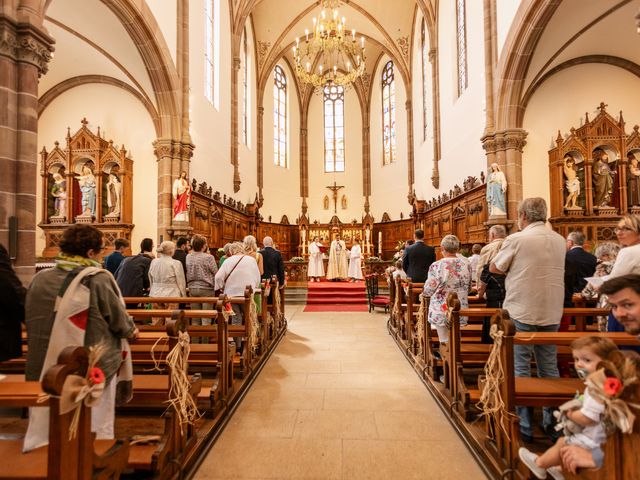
[460, 354]
[243, 331]
[519, 391]
[64, 458]
[412, 294]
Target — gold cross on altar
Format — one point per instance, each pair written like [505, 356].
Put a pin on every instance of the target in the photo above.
[334, 188]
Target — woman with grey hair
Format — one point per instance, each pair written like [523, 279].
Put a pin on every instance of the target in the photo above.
[166, 274]
[449, 274]
[167, 279]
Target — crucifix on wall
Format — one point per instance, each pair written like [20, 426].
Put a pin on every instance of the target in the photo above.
[334, 188]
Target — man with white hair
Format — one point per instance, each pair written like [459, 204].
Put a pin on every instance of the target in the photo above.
[533, 261]
[272, 261]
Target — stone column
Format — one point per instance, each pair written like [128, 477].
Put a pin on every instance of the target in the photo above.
[234, 123]
[410, 165]
[366, 156]
[304, 158]
[164, 149]
[435, 86]
[260, 151]
[514, 142]
[24, 54]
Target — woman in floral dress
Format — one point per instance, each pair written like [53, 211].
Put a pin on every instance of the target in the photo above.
[449, 274]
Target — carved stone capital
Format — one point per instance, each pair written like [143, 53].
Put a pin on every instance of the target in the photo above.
[163, 148]
[489, 143]
[236, 180]
[25, 43]
[433, 55]
[515, 139]
[186, 151]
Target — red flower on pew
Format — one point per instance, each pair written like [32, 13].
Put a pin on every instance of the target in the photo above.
[96, 375]
[612, 386]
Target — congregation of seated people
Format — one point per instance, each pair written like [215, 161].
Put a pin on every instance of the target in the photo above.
[89, 291]
[533, 275]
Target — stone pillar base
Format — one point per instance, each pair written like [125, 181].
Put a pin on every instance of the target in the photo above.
[179, 229]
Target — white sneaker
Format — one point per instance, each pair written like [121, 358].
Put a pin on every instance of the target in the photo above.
[556, 472]
[529, 459]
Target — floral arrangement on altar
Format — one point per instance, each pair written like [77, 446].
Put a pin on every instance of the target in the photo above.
[373, 260]
[297, 260]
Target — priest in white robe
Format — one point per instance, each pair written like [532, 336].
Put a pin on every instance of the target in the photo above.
[316, 267]
[337, 268]
[355, 262]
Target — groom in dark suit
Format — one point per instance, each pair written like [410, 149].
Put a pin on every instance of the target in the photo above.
[418, 258]
[272, 261]
[578, 265]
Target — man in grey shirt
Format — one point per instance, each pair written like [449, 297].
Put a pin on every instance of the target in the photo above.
[533, 261]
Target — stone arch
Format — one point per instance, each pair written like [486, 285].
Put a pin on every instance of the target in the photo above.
[54, 92]
[141, 25]
[526, 30]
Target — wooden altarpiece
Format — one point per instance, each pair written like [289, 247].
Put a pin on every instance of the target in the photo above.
[348, 232]
[585, 145]
[107, 164]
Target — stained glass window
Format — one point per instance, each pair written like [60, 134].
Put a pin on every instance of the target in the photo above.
[425, 60]
[245, 91]
[333, 128]
[388, 115]
[461, 30]
[209, 50]
[279, 117]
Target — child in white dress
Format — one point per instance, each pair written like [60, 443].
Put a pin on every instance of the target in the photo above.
[587, 353]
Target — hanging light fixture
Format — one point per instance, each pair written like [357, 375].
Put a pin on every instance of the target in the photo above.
[329, 54]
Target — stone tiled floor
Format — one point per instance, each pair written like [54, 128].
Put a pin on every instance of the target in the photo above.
[337, 400]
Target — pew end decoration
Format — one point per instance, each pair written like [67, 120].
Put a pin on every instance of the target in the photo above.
[616, 385]
[77, 389]
[181, 401]
[492, 405]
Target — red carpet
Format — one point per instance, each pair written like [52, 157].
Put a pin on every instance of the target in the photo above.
[336, 297]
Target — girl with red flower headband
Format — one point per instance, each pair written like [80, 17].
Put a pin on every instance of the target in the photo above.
[587, 422]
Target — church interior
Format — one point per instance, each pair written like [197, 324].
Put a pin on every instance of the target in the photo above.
[323, 126]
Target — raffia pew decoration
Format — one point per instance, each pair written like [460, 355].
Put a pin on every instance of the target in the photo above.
[255, 326]
[615, 384]
[180, 398]
[277, 304]
[78, 391]
[491, 403]
[396, 307]
[422, 318]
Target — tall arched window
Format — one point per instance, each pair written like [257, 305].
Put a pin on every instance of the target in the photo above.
[279, 117]
[425, 60]
[333, 128]
[461, 31]
[245, 91]
[211, 51]
[388, 115]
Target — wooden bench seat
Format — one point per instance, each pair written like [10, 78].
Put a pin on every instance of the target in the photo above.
[539, 392]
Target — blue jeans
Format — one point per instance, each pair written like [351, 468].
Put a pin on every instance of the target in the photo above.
[547, 366]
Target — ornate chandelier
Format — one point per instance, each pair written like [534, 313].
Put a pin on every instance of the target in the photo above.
[340, 55]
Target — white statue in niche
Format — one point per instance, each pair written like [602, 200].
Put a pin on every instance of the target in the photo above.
[59, 193]
[114, 194]
[87, 182]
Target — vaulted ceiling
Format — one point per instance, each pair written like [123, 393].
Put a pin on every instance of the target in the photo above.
[386, 25]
